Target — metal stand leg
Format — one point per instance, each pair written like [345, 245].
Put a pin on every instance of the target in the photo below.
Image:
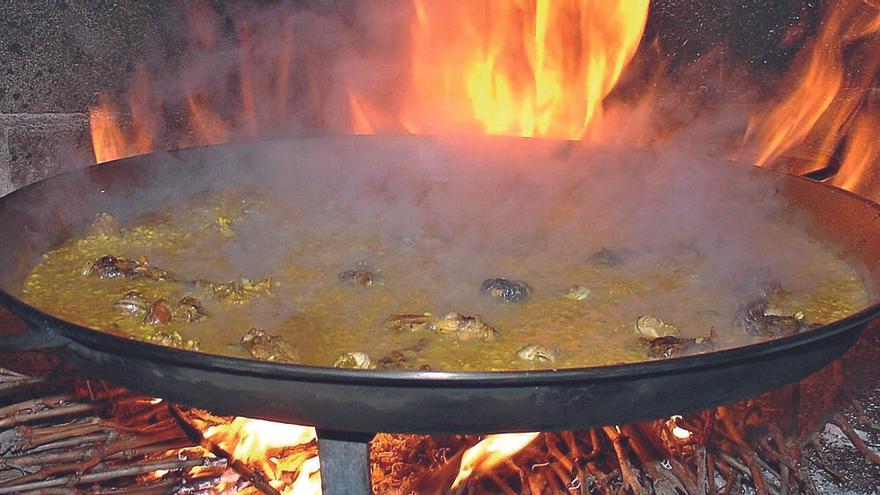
[345, 462]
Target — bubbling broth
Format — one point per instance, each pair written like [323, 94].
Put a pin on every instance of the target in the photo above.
[500, 269]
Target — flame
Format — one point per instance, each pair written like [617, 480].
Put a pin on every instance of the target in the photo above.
[207, 126]
[308, 480]
[261, 444]
[246, 80]
[359, 121]
[676, 430]
[862, 150]
[284, 62]
[525, 68]
[109, 139]
[522, 68]
[489, 452]
[817, 110]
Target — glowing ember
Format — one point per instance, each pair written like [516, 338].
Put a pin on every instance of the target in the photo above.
[677, 431]
[489, 452]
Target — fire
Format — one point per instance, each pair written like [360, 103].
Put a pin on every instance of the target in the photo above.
[359, 120]
[522, 68]
[862, 150]
[207, 127]
[489, 452]
[266, 446]
[676, 430]
[823, 100]
[110, 140]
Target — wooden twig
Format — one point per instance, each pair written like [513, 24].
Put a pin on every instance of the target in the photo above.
[628, 473]
[823, 461]
[758, 480]
[663, 480]
[108, 474]
[861, 414]
[247, 472]
[595, 446]
[95, 455]
[855, 439]
[36, 404]
[49, 413]
[710, 473]
[702, 470]
[99, 437]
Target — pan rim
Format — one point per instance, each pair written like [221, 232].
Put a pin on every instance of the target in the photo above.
[93, 339]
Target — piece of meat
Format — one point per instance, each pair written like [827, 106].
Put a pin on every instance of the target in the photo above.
[110, 267]
[160, 313]
[506, 290]
[189, 309]
[260, 345]
[669, 346]
[754, 320]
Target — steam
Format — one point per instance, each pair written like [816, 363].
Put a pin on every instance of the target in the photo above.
[520, 208]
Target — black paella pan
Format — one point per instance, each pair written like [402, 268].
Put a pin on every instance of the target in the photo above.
[37, 217]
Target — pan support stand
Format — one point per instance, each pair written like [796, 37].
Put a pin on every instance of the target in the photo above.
[345, 462]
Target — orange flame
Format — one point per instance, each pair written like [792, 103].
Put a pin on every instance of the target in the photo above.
[489, 452]
[523, 68]
[359, 121]
[261, 444]
[207, 126]
[817, 110]
[109, 140]
[249, 439]
[246, 80]
[284, 62]
[528, 68]
[862, 150]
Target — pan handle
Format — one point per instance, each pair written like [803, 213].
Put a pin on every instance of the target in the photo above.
[34, 338]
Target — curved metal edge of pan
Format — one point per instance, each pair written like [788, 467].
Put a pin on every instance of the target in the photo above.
[648, 389]
[475, 403]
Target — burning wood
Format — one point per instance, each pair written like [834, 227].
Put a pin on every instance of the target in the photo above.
[276, 458]
[88, 434]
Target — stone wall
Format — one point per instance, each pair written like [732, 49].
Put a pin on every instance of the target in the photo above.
[56, 55]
